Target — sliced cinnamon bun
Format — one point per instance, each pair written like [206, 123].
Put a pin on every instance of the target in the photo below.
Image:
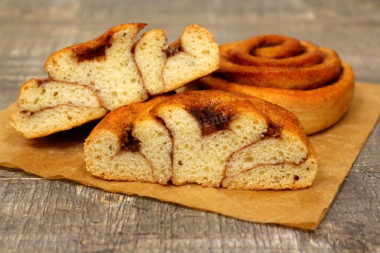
[211, 138]
[310, 81]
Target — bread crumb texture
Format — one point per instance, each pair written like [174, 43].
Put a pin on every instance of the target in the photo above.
[211, 138]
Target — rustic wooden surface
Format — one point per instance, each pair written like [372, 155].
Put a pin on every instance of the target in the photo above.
[59, 216]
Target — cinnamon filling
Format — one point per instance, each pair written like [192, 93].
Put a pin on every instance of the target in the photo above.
[211, 120]
[273, 131]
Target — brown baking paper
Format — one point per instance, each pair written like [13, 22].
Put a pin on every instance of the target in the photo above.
[61, 156]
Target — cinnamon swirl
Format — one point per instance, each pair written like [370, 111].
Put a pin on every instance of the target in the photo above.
[212, 138]
[308, 80]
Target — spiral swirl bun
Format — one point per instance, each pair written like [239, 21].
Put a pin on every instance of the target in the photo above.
[212, 138]
[308, 80]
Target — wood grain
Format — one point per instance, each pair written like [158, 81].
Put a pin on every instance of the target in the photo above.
[60, 216]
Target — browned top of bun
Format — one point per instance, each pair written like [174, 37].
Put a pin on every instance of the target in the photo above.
[207, 105]
[280, 62]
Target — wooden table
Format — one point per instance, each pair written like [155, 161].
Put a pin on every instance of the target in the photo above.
[60, 216]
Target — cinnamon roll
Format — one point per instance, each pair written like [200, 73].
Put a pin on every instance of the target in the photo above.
[310, 81]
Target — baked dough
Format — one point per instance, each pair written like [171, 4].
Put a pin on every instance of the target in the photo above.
[310, 81]
[114, 71]
[165, 68]
[47, 107]
[212, 138]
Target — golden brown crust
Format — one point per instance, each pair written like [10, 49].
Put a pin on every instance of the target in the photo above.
[318, 91]
[270, 61]
[42, 82]
[93, 49]
[17, 121]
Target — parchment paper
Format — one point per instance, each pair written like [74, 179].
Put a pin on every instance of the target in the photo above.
[61, 156]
